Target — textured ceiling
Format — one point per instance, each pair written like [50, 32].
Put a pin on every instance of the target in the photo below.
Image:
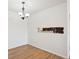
[37, 5]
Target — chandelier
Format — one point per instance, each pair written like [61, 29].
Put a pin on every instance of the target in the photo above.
[22, 14]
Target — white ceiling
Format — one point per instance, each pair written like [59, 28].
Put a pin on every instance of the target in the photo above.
[37, 5]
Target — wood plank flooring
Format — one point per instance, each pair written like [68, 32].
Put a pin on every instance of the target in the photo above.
[30, 52]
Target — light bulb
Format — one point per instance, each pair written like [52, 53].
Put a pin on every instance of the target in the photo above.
[20, 13]
[27, 14]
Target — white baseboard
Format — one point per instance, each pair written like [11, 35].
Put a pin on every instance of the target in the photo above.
[17, 45]
[45, 50]
[52, 52]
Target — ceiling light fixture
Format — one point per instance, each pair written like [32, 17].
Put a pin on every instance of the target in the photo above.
[22, 14]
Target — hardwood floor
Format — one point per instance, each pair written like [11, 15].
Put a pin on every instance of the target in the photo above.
[30, 52]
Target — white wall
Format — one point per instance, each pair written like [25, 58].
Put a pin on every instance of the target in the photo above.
[17, 30]
[54, 16]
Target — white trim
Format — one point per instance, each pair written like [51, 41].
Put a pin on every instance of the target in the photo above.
[68, 28]
[45, 50]
[51, 52]
[18, 45]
